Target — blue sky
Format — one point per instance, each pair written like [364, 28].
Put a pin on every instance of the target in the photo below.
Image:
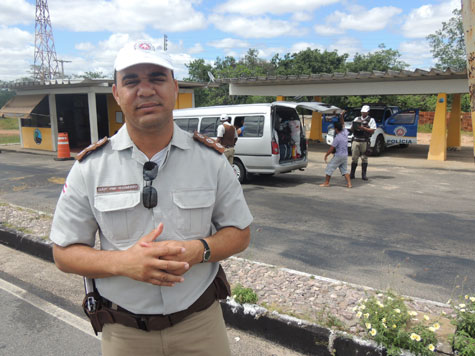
[89, 32]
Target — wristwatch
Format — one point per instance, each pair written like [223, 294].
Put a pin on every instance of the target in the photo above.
[206, 252]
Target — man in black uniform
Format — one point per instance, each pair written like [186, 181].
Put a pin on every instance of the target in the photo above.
[363, 127]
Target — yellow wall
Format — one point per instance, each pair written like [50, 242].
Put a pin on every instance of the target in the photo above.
[184, 100]
[28, 138]
[112, 109]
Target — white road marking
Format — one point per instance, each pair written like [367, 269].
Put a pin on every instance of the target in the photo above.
[49, 308]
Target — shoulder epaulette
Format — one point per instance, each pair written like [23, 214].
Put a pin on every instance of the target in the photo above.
[91, 148]
[208, 141]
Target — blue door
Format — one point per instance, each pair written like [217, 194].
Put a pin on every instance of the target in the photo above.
[401, 128]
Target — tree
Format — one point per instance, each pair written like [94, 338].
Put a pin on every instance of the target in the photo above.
[309, 61]
[381, 60]
[448, 46]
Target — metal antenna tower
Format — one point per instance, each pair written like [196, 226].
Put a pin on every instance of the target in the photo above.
[45, 64]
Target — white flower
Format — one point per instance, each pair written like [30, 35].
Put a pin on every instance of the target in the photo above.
[472, 299]
[362, 307]
[431, 328]
[444, 313]
[385, 326]
[383, 320]
[397, 310]
[358, 315]
[462, 310]
[389, 298]
[366, 315]
[380, 294]
[462, 305]
[431, 347]
[466, 296]
[412, 313]
[426, 317]
[354, 309]
[368, 325]
[436, 326]
[415, 337]
[373, 332]
[381, 305]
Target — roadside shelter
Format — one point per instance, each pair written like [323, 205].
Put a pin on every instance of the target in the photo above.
[84, 109]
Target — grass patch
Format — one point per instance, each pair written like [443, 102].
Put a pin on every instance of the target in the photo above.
[9, 123]
[9, 139]
[424, 128]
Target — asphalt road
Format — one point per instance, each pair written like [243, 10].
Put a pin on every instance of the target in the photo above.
[410, 228]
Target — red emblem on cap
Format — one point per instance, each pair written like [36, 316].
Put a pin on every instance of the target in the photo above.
[144, 46]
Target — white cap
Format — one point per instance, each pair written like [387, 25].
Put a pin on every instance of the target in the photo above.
[141, 52]
[365, 108]
[223, 118]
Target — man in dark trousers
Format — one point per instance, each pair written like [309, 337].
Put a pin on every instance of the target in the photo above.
[227, 136]
[363, 127]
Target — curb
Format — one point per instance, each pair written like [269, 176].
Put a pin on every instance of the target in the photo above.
[290, 332]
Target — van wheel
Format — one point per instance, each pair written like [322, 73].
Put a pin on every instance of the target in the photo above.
[378, 146]
[240, 171]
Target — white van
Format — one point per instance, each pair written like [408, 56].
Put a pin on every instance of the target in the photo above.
[272, 140]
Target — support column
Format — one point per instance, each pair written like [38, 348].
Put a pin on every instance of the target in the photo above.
[438, 141]
[468, 20]
[53, 117]
[280, 98]
[91, 103]
[316, 128]
[455, 125]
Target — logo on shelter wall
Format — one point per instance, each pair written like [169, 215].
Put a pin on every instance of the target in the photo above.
[400, 131]
[37, 136]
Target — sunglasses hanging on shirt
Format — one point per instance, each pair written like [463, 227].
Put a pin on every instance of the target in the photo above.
[149, 193]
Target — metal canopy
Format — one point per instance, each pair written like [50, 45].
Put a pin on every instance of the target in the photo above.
[21, 105]
[363, 83]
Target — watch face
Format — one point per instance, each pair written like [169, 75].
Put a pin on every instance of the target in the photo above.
[207, 255]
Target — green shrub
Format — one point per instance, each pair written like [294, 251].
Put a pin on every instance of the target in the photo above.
[244, 295]
[464, 338]
[387, 320]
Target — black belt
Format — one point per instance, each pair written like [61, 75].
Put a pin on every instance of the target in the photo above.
[108, 313]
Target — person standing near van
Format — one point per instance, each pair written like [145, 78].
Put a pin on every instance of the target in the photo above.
[339, 147]
[167, 208]
[227, 136]
[363, 127]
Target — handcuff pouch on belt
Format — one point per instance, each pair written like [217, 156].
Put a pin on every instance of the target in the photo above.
[101, 311]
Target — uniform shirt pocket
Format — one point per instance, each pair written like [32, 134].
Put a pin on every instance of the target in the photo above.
[193, 210]
[117, 215]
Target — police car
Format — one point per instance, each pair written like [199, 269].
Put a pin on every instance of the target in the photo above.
[394, 126]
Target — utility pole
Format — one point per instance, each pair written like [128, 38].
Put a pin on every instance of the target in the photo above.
[468, 19]
[62, 61]
[45, 62]
[165, 42]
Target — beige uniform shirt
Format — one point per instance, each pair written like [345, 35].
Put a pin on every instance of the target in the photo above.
[197, 192]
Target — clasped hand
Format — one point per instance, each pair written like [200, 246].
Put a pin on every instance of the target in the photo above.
[161, 263]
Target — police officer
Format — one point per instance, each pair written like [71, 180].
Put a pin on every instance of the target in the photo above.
[363, 127]
[227, 136]
[154, 194]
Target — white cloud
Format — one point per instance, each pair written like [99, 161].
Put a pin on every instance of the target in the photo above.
[16, 12]
[227, 43]
[302, 16]
[125, 16]
[276, 7]
[259, 27]
[347, 45]
[17, 49]
[301, 46]
[374, 19]
[197, 48]
[417, 54]
[84, 46]
[427, 19]
[270, 52]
